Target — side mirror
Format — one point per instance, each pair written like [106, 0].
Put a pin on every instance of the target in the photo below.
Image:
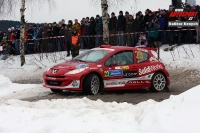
[115, 64]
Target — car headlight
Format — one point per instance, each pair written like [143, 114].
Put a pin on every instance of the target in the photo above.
[76, 71]
[48, 69]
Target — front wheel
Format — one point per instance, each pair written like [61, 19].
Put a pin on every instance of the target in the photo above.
[91, 84]
[158, 82]
[56, 91]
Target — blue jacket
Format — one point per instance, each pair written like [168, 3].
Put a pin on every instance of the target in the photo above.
[163, 23]
[99, 25]
[154, 27]
[36, 32]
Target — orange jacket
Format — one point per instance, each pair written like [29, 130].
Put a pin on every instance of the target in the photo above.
[75, 39]
[25, 36]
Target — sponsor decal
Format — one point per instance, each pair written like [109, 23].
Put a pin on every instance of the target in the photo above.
[51, 78]
[130, 74]
[149, 69]
[153, 59]
[82, 66]
[113, 73]
[115, 83]
[55, 71]
[122, 67]
[139, 55]
[99, 65]
[139, 82]
[75, 83]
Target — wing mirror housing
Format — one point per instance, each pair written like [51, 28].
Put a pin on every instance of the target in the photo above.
[115, 64]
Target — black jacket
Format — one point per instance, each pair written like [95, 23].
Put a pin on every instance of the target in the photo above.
[113, 23]
[139, 25]
[17, 34]
[7, 50]
[92, 28]
[1, 36]
[121, 23]
[55, 31]
[86, 28]
[30, 34]
[68, 36]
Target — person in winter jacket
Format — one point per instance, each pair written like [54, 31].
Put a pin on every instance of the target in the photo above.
[99, 31]
[112, 29]
[163, 26]
[61, 41]
[77, 26]
[5, 38]
[83, 45]
[7, 51]
[11, 38]
[121, 24]
[17, 40]
[35, 35]
[68, 39]
[129, 30]
[139, 26]
[142, 41]
[86, 33]
[70, 24]
[154, 26]
[92, 32]
[75, 43]
[30, 42]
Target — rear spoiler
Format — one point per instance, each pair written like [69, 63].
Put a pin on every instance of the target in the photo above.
[147, 48]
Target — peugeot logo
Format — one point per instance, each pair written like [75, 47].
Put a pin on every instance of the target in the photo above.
[55, 71]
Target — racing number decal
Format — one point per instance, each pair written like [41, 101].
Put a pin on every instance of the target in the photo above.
[106, 73]
[139, 55]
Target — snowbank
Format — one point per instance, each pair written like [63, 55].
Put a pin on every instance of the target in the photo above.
[178, 114]
[7, 87]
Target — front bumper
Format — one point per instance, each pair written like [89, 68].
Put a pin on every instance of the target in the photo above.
[62, 82]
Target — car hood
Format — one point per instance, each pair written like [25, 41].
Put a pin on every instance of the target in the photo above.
[64, 67]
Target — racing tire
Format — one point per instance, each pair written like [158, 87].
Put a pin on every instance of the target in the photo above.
[56, 91]
[158, 82]
[91, 84]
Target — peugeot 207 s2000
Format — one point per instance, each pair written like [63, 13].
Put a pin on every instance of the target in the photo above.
[108, 68]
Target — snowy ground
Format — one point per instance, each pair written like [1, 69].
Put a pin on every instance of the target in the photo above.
[178, 114]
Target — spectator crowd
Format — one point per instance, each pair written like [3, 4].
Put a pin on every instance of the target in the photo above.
[121, 27]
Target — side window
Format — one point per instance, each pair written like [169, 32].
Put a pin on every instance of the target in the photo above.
[121, 58]
[141, 56]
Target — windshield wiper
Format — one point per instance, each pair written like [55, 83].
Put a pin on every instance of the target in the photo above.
[80, 60]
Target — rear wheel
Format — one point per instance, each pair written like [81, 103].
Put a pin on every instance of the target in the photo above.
[158, 82]
[91, 84]
[56, 91]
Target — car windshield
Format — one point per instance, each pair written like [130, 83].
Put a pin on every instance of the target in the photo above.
[91, 56]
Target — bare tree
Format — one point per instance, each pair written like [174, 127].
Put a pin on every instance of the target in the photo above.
[7, 7]
[105, 6]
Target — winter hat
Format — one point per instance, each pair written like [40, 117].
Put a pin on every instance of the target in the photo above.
[17, 26]
[12, 28]
[9, 29]
[112, 13]
[171, 6]
[92, 19]
[126, 12]
[97, 16]
[147, 9]
[150, 11]
[121, 12]
[137, 14]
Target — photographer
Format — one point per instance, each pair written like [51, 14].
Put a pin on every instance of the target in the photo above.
[7, 51]
[154, 26]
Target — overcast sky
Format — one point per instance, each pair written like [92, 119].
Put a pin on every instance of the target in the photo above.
[71, 9]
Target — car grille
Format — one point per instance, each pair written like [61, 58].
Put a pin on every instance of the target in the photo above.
[55, 76]
[54, 83]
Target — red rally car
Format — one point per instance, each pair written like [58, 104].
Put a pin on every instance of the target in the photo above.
[108, 68]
